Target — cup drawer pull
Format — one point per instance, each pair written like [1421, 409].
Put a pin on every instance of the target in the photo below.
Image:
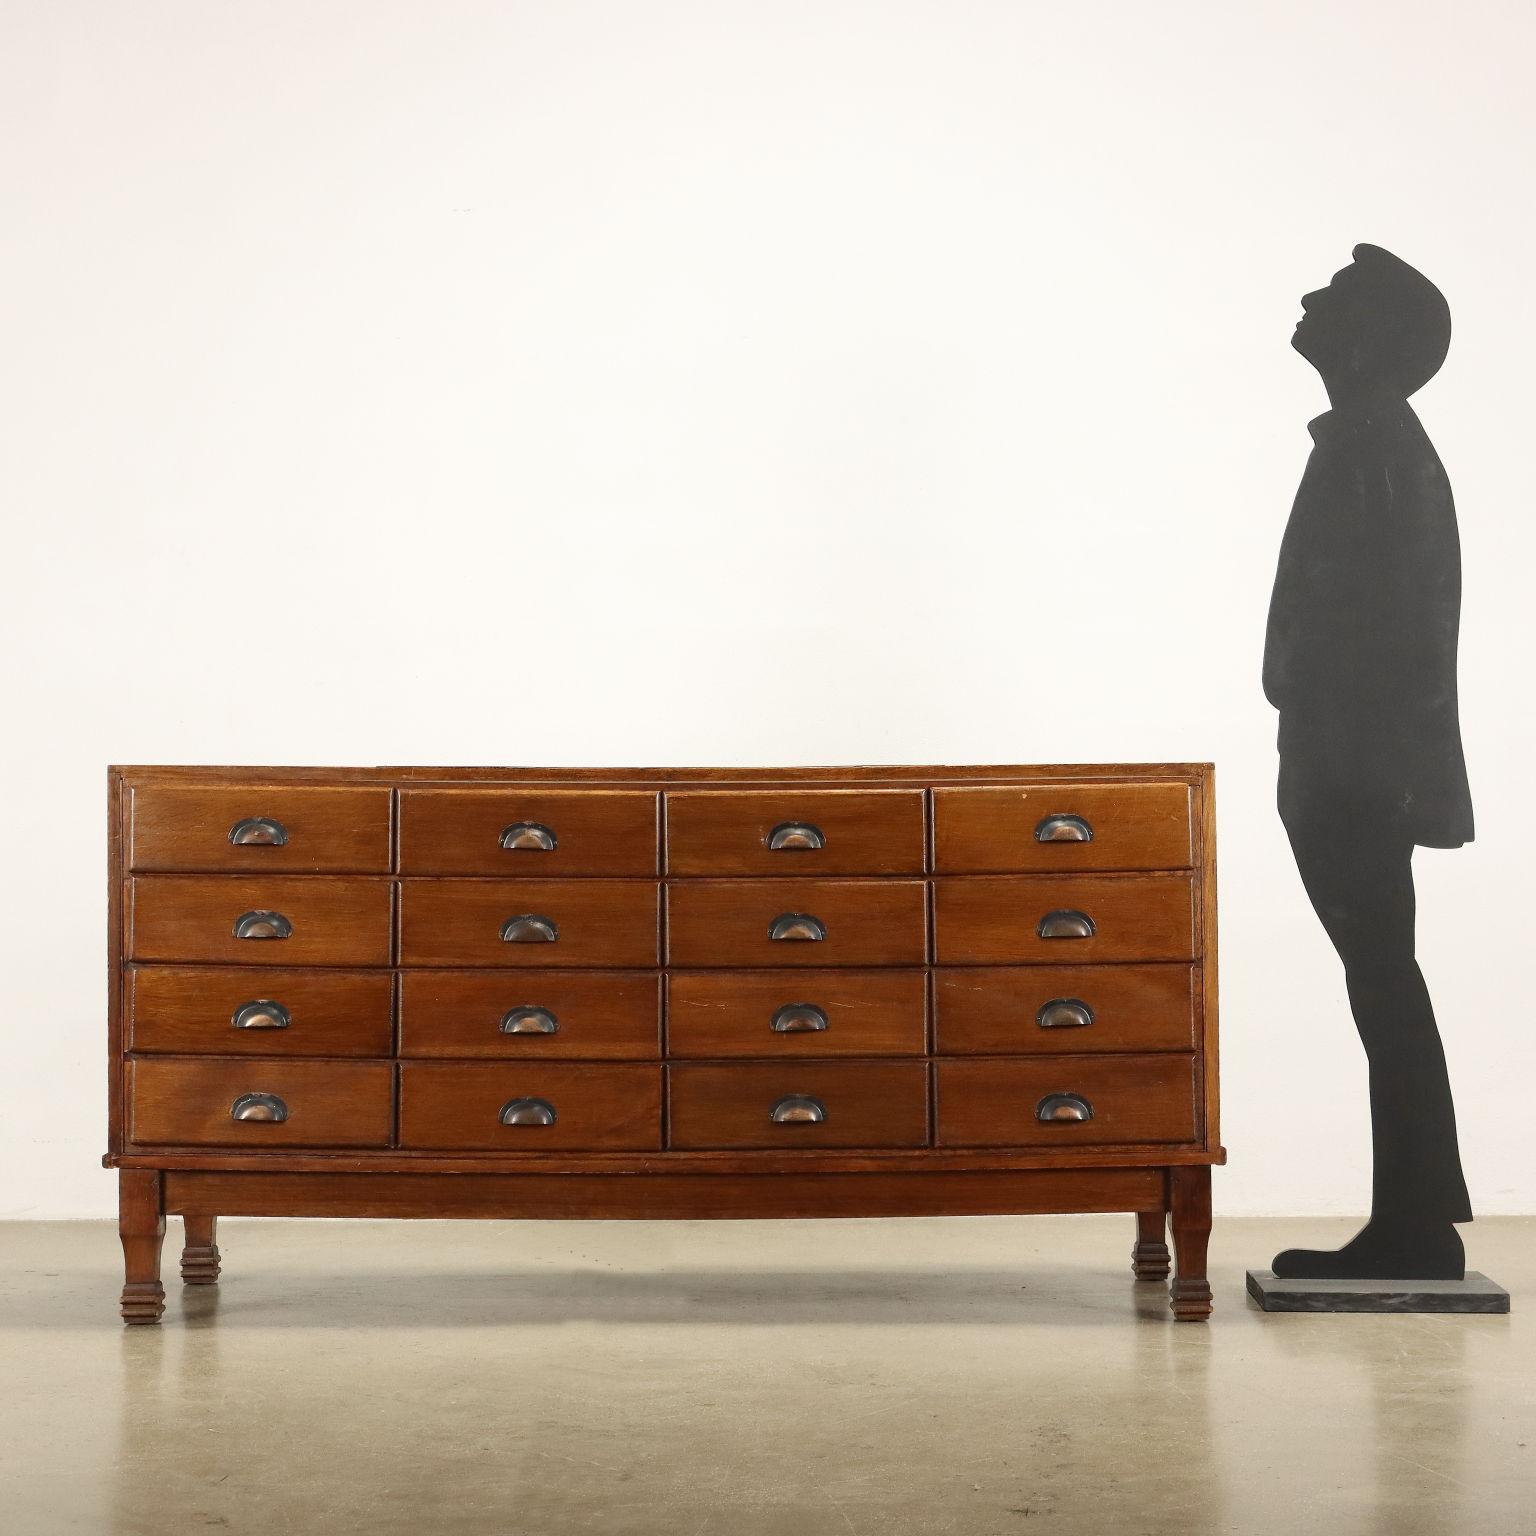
[528, 1112]
[1063, 829]
[793, 836]
[254, 830]
[1065, 923]
[262, 925]
[1065, 1013]
[265, 1107]
[260, 1014]
[529, 1021]
[528, 928]
[797, 927]
[1063, 1107]
[798, 1109]
[529, 836]
[798, 1019]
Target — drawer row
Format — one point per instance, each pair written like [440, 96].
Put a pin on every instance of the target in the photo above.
[543, 1107]
[553, 832]
[641, 1015]
[976, 920]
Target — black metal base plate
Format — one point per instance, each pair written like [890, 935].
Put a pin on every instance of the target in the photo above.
[1477, 1293]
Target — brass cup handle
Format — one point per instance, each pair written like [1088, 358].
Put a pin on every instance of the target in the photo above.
[529, 1021]
[1066, 923]
[529, 836]
[793, 836]
[797, 927]
[251, 830]
[798, 1019]
[1063, 1107]
[1063, 829]
[1064, 1013]
[528, 1112]
[260, 1014]
[528, 928]
[262, 925]
[266, 1107]
[798, 1109]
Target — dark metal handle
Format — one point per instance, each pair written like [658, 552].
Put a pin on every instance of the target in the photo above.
[259, 1106]
[262, 925]
[529, 835]
[261, 1015]
[528, 1112]
[790, 836]
[1065, 1013]
[258, 829]
[1066, 923]
[798, 1109]
[1063, 1106]
[797, 926]
[1063, 829]
[798, 1019]
[529, 1021]
[529, 929]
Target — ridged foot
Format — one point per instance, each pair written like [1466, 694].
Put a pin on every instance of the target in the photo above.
[1190, 1300]
[200, 1266]
[1150, 1261]
[143, 1302]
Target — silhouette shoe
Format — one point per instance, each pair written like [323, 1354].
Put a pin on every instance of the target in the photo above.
[1382, 1250]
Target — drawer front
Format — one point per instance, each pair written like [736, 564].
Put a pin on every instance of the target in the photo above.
[795, 832]
[528, 834]
[1132, 1099]
[861, 1104]
[232, 1011]
[552, 1107]
[775, 1013]
[289, 1103]
[863, 922]
[1064, 1009]
[1063, 828]
[990, 920]
[591, 1015]
[258, 829]
[550, 923]
[285, 921]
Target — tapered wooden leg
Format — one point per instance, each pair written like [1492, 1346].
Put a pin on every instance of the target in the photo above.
[1190, 1197]
[141, 1225]
[200, 1256]
[1149, 1254]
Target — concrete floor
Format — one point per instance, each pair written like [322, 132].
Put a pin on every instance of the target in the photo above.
[989, 1376]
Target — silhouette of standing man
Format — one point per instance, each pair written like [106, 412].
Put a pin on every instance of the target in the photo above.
[1360, 660]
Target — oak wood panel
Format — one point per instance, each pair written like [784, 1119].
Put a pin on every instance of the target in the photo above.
[330, 830]
[867, 832]
[992, 1101]
[597, 832]
[663, 1196]
[179, 1102]
[191, 918]
[598, 1014]
[993, 919]
[990, 1011]
[448, 1106]
[598, 922]
[867, 1104]
[1134, 826]
[727, 922]
[730, 1013]
[190, 1010]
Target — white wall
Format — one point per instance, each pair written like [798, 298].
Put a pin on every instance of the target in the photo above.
[739, 383]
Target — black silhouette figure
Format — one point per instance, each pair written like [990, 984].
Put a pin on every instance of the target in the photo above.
[1360, 660]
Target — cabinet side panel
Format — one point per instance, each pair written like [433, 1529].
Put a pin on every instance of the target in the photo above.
[115, 815]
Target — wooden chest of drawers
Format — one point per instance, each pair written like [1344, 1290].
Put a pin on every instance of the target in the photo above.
[662, 993]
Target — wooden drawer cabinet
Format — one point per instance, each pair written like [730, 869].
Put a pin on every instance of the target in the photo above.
[690, 992]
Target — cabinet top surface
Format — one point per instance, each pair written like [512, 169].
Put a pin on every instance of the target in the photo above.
[866, 774]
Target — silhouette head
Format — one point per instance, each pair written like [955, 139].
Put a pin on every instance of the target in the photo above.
[1378, 326]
